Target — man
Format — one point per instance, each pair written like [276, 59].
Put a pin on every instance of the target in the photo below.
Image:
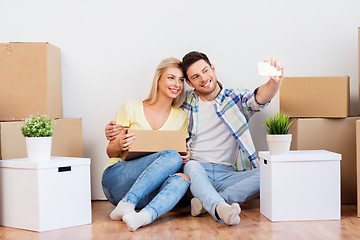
[220, 142]
[223, 165]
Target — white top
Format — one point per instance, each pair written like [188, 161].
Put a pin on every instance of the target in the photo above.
[213, 141]
[301, 156]
[54, 162]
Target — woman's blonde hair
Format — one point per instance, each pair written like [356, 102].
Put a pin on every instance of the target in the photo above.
[165, 63]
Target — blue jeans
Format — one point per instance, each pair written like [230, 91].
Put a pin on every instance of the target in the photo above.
[215, 183]
[147, 181]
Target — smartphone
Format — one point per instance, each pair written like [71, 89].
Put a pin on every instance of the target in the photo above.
[265, 69]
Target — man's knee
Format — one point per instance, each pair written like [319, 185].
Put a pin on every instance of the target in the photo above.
[183, 176]
[193, 169]
[191, 165]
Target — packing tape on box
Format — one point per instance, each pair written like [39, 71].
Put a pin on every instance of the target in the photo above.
[8, 48]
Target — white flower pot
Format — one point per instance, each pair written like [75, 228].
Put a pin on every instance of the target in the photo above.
[38, 148]
[278, 143]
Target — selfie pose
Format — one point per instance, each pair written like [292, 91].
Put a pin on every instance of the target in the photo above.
[223, 168]
[223, 163]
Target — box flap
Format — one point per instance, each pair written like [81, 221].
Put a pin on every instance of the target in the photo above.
[301, 156]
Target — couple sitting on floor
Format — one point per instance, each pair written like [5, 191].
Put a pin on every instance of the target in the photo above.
[221, 164]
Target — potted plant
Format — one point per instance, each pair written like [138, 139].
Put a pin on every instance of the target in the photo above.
[278, 139]
[38, 133]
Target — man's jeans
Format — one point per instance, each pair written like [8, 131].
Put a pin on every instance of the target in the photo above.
[146, 181]
[215, 183]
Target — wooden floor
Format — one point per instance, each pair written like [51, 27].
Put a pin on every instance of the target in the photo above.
[179, 224]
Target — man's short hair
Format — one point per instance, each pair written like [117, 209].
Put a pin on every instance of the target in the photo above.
[191, 58]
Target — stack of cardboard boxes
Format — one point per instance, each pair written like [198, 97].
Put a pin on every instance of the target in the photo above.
[30, 80]
[319, 108]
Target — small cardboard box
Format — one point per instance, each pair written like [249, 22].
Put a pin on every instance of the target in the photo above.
[30, 80]
[301, 185]
[151, 141]
[46, 195]
[315, 96]
[66, 141]
[335, 135]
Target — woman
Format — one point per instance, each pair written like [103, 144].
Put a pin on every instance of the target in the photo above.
[150, 183]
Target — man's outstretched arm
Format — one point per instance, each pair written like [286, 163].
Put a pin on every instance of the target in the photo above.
[267, 91]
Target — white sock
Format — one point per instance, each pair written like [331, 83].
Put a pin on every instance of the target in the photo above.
[229, 213]
[196, 207]
[121, 209]
[135, 220]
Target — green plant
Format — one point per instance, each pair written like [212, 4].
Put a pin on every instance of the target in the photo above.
[39, 126]
[279, 124]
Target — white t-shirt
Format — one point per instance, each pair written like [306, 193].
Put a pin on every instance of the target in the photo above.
[213, 141]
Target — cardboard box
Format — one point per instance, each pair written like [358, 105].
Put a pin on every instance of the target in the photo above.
[30, 80]
[46, 195]
[335, 135]
[358, 164]
[315, 96]
[66, 142]
[151, 141]
[301, 185]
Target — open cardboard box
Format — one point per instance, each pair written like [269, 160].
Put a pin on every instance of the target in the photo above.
[151, 141]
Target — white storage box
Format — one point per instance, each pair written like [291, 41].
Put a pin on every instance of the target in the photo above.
[301, 185]
[45, 195]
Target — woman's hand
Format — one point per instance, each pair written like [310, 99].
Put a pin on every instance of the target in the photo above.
[121, 143]
[124, 139]
[186, 157]
[112, 130]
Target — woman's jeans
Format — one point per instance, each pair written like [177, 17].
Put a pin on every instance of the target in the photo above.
[215, 183]
[146, 182]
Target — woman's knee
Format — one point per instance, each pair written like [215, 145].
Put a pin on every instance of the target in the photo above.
[172, 153]
[173, 156]
[184, 177]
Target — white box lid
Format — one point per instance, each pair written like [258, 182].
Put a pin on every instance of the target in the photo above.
[54, 162]
[301, 155]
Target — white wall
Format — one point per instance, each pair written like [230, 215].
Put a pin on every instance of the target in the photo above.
[110, 48]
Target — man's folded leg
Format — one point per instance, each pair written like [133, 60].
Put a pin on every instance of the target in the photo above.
[201, 187]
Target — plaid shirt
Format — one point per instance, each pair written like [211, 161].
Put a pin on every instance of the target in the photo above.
[234, 107]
